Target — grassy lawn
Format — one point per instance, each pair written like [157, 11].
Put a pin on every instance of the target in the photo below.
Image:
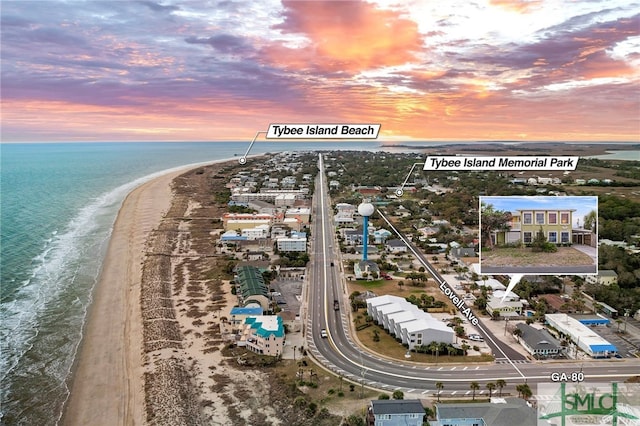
[511, 256]
[389, 347]
[331, 391]
[381, 287]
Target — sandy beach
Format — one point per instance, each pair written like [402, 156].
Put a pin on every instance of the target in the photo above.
[151, 352]
[107, 385]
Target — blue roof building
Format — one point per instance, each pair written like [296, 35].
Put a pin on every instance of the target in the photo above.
[263, 334]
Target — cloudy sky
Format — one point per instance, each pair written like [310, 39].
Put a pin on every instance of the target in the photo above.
[223, 70]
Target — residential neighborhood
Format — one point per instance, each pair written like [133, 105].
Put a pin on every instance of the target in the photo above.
[394, 296]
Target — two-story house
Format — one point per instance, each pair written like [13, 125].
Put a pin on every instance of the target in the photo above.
[525, 224]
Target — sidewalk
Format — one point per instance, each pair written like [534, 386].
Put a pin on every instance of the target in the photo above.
[588, 250]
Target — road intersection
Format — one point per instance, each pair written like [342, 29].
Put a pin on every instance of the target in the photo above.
[339, 353]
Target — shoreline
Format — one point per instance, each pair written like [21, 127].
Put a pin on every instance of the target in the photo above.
[106, 385]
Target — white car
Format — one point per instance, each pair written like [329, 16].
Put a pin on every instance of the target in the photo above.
[476, 338]
[323, 333]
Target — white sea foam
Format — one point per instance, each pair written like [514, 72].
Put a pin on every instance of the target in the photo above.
[69, 263]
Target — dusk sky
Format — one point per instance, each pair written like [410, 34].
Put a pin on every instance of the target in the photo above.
[223, 70]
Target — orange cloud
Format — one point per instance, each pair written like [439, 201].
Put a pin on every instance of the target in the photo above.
[346, 36]
[520, 6]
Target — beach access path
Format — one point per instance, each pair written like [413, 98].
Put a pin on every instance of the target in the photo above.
[108, 385]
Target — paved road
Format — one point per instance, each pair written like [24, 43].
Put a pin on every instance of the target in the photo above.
[558, 270]
[339, 353]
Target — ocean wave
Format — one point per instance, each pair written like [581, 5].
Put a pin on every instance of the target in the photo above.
[44, 321]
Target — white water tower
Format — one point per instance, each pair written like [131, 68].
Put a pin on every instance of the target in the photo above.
[365, 210]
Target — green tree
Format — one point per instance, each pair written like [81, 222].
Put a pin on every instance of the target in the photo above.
[590, 220]
[398, 394]
[500, 383]
[439, 386]
[354, 420]
[474, 387]
[492, 220]
[383, 396]
[524, 390]
[490, 386]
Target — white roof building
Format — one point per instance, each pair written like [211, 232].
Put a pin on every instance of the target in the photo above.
[424, 331]
[584, 337]
[492, 283]
[392, 320]
[407, 322]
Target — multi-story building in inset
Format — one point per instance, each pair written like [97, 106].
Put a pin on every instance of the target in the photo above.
[526, 223]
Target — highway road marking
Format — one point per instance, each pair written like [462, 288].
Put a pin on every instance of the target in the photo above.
[477, 367]
[425, 392]
[440, 368]
[413, 366]
[454, 392]
[427, 368]
[441, 281]
[464, 368]
[411, 391]
[468, 392]
[453, 368]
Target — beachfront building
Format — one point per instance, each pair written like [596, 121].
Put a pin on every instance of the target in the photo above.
[555, 224]
[241, 221]
[260, 231]
[395, 412]
[581, 335]
[302, 214]
[262, 207]
[263, 334]
[240, 313]
[245, 195]
[251, 287]
[538, 343]
[498, 412]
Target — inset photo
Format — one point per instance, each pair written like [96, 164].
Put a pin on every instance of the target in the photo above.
[539, 235]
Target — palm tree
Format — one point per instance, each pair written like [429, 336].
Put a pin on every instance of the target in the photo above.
[465, 348]
[517, 332]
[491, 386]
[435, 346]
[524, 391]
[474, 387]
[439, 386]
[500, 384]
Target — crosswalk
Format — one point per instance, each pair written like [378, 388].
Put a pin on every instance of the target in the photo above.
[515, 361]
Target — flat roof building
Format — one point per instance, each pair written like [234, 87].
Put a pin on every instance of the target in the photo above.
[584, 337]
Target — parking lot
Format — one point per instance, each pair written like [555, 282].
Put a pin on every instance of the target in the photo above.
[288, 295]
[609, 333]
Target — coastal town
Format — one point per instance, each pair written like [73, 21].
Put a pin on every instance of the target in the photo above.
[267, 277]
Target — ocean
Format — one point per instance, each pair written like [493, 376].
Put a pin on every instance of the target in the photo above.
[58, 205]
